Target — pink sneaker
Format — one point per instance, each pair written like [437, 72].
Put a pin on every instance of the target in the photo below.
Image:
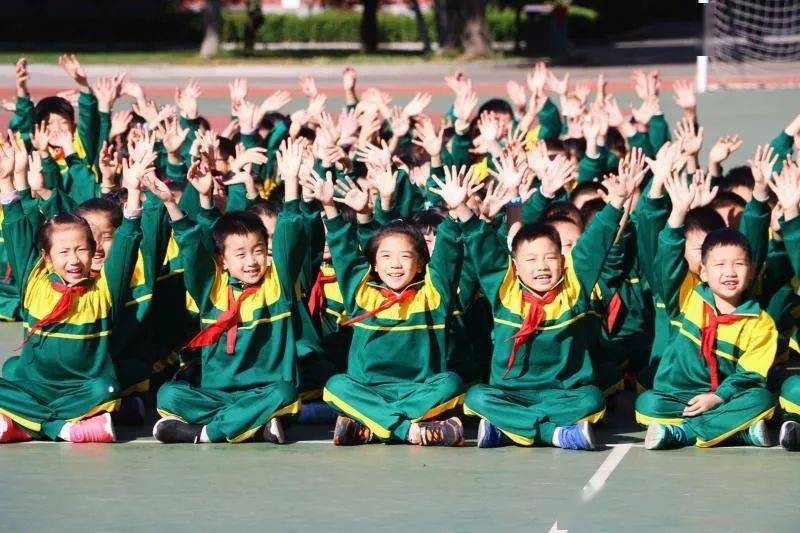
[11, 432]
[95, 429]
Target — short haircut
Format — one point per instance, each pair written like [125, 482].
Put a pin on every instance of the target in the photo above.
[202, 122]
[227, 148]
[270, 120]
[241, 223]
[533, 231]
[563, 209]
[616, 142]
[725, 237]
[590, 209]
[428, 221]
[348, 214]
[555, 145]
[62, 221]
[106, 206]
[266, 208]
[587, 187]
[397, 227]
[728, 199]
[704, 219]
[118, 196]
[54, 104]
[496, 105]
[740, 176]
[412, 155]
[575, 147]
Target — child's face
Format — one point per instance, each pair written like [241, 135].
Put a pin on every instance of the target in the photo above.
[269, 222]
[727, 272]
[245, 257]
[70, 254]
[584, 197]
[430, 241]
[397, 262]
[731, 214]
[539, 264]
[569, 233]
[103, 232]
[57, 124]
[693, 247]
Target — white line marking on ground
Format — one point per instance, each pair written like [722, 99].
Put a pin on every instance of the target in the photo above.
[555, 529]
[599, 478]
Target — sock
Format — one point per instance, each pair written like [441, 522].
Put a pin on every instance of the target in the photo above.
[414, 434]
[204, 435]
[64, 433]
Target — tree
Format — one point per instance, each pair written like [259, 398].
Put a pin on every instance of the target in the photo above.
[255, 18]
[369, 26]
[422, 27]
[461, 26]
[212, 19]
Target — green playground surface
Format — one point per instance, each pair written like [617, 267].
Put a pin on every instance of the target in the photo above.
[138, 484]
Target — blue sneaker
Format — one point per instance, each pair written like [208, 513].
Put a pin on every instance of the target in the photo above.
[663, 436]
[578, 436]
[489, 436]
[316, 413]
[755, 435]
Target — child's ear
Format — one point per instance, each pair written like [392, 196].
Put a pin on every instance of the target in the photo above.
[703, 273]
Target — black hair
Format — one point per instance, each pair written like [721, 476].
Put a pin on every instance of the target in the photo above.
[496, 105]
[262, 207]
[587, 187]
[428, 221]
[590, 209]
[563, 209]
[105, 205]
[54, 104]
[616, 142]
[397, 227]
[704, 219]
[348, 214]
[307, 133]
[728, 199]
[575, 147]
[227, 148]
[555, 145]
[533, 231]
[725, 237]
[412, 155]
[271, 119]
[740, 176]
[61, 220]
[237, 223]
[202, 122]
[117, 196]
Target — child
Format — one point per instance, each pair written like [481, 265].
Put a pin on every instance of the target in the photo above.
[64, 378]
[541, 384]
[400, 303]
[711, 382]
[249, 357]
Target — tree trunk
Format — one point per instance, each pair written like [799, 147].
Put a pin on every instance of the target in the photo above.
[369, 26]
[448, 17]
[475, 39]
[212, 19]
[255, 18]
[422, 27]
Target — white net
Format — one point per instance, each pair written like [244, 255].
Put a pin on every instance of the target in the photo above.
[751, 37]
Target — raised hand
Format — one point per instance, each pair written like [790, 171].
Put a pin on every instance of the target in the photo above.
[516, 93]
[172, 136]
[682, 195]
[289, 158]
[21, 76]
[320, 189]
[723, 149]
[683, 94]
[159, 189]
[73, 68]
[762, 164]
[495, 200]
[63, 139]
[238, 93]
[464, 106]
[429, 139]
[273, 103]
[704, 192]
[7, 155]
[349, 194]
[186, 100]
[399, 121]
[417, 104]
[557, 86]
[689, 138]
[538, 78]
[146, 109]
[35, 176]
[508, 173]
[119, 123]
[669, 159]
[199, 176]
[369, 153]
[649, 108]
[458, 185]
[108, 163]
[556, 176]
[786, 187]
[246, 157]
[40, 138]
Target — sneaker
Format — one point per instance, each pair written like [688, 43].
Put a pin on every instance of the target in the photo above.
[348, 432]
[578, 436]
[273, 432]
[663, 436]
[448, 432]
[96, 429]
[172, 430]
[130, 412]
[790, 436]
[489, 436]
[316, 413]
[755, 435]
[11, 432]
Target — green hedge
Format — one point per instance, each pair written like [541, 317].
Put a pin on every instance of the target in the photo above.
[345, 26]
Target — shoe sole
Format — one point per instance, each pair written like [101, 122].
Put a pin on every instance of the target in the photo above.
[790, 436]
[110, 427]
[482, 433]
[653, 437]
[761, 439]
[590, 437]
